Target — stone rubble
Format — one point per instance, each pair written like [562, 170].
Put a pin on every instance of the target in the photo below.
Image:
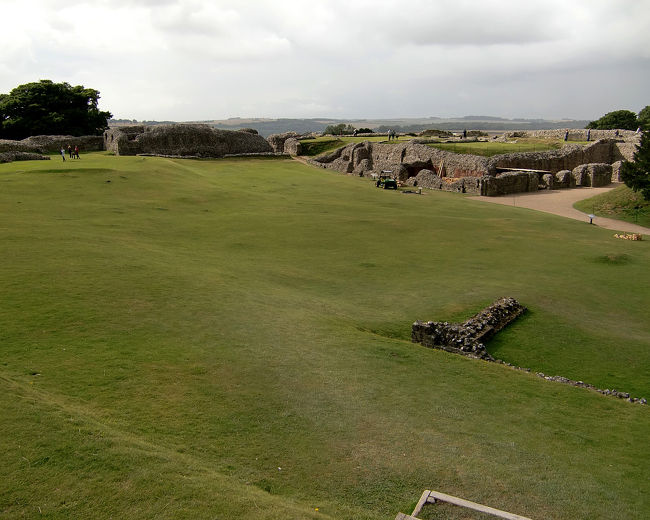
[467, 339]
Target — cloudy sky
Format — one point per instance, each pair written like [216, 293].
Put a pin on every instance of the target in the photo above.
[198, 59]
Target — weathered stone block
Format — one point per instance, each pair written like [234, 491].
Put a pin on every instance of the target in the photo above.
[467, 338]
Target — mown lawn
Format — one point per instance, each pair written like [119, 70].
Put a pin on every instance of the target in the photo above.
[621, 203]
[328, 143]
[312, 147]
[491, 148]
[230, 339]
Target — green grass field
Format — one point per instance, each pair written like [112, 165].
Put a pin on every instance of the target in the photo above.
[312, 147]
[621, 203]
[230, 339]
[319, 145]
[491, 148]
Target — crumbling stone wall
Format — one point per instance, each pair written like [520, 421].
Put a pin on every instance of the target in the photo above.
[624, 151]
[418, 165]
[467, 338]
[405, 160]
[183, 140]
[292, 147]
[277, 141]
[594, 175]
[566, 158]
[43, 144]
[575, 134]
[509, 183]
[6, 157]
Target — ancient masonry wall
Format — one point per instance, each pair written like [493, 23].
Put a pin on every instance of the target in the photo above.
[6, 157]
[53, 143]
[183, 140]
[403, 159]
[567, 158]
[575, 134]
[418, 165]
[467, 338]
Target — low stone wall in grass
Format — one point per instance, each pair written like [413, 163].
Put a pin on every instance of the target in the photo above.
[53, 143]
[575, 134]
[6, 157]
[467, 338]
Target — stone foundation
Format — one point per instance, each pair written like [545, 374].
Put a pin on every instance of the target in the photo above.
[415, 164]
[6, 157]
[467, 338]
[43, 144]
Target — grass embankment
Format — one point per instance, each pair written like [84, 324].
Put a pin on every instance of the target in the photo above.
[490, 148]
[230, 339]
[621, 203]
[319, 145]
[312, 147]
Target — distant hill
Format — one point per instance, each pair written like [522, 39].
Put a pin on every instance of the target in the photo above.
[266, 126]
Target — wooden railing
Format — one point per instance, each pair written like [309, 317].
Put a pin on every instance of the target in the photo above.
[431, 497]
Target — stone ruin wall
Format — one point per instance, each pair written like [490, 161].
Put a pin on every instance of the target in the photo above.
[43, 144]
[567, 158]
[467, 338]
[415, 164]
[6, 157]
[404, 160]
[183, 140]
[575, 134]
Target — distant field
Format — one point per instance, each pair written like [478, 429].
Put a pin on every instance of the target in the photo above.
[621, 203]
[230, 339]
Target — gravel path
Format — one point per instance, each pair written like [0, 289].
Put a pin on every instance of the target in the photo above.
[560, 202]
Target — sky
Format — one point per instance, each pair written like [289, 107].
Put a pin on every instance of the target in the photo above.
[185, 60]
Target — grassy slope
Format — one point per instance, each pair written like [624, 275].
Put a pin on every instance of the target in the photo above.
[490, 148]
[621, 203]
[171, 338]
[320, 145]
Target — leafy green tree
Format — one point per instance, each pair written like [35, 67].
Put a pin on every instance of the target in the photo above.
[47, 108]
[340, 129]
[623, 119]
[636, 174]
[644, 118]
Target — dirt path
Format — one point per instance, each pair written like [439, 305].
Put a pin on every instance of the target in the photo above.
[560, 202]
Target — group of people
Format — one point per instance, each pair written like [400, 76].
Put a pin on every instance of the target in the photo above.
[72, 152]
[392, 134]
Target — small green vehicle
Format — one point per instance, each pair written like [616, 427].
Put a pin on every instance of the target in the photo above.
[386, 181]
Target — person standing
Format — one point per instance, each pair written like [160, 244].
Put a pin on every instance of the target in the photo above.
[70, 151]
[63, 153]
[76, 151]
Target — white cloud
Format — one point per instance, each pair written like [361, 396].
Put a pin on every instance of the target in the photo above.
[194, 59]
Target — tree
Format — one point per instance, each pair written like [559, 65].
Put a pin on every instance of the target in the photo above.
[340, 129]
[622, 119]
[644, 118]
[47, 108]
[636, 174]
